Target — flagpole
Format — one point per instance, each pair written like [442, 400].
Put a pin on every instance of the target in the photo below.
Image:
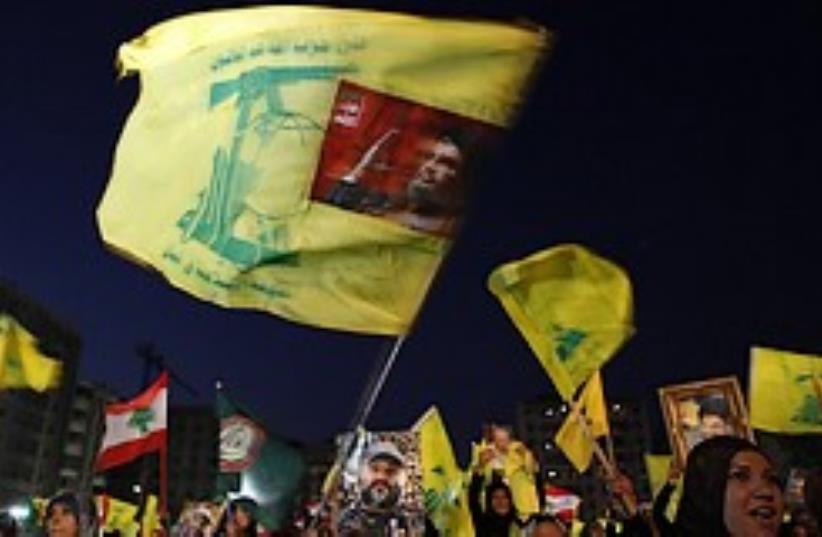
[372, 391]
[164, 480]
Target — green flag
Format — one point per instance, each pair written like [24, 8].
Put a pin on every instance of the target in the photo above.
[256, 465]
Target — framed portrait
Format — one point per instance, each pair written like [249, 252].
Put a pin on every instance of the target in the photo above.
[380, 491]
[696, 411]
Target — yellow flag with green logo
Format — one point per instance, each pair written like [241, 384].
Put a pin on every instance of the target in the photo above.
[577, 440]
[573, 307]
[119, 516]
[22, 364]
[443, 482]
[785, 392]
[310, 162]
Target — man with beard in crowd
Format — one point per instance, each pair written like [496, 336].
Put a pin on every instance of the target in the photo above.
[377, 511]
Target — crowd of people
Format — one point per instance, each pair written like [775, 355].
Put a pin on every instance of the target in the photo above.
[729, 487]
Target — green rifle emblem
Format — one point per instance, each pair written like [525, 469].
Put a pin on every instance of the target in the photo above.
[260, 113]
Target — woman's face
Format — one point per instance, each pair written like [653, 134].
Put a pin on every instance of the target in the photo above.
[242, 518]
[62, 522]
[753, 500]
[500, 502]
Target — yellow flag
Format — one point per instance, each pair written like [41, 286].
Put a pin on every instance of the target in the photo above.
[119, 516]
[574, 308]
[150, 520]
[443, 481]
[575, 441]
[785, 392]
[310, 162]
[658, 468]
[22, 365]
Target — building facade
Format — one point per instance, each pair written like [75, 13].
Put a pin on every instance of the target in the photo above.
[538, 422]
[84, 432]
[193, 436]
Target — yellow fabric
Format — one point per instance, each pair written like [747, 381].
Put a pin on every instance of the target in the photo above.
[572, 438]
[120, 516]
[658, 468]
[574, 309]
[785, 392]
[150, 520]
[518, 468]
[443, 481]
[304, 260]
[22, 365]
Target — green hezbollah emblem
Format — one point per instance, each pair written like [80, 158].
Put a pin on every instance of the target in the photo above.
[237, 173]
[567, 340]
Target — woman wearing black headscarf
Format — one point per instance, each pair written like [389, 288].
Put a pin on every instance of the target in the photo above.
[499, 517]
[730, 489]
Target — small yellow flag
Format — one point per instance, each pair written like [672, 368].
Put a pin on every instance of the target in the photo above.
[574, 308]
[284, 158]
[785, 392]
[443, 481]
[119, 516]
[658, 468]
[577, 440]
[22, 365]
[150, 520]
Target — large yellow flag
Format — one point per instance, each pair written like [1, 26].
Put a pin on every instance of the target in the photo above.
[785, 392]
[574, 308]
[22, 364]
[443, 481]
[577, 440]
[306, 161]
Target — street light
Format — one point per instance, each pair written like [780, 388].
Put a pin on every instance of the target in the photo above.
[20, 512]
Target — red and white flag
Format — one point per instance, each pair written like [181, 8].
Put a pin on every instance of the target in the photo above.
[135, 427]
[561, 503]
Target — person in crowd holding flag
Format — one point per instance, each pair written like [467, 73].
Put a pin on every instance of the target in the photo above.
[378, 511]
[512, 462]
[499, 516]
[730, 488]
[239, 519]
[67, 515]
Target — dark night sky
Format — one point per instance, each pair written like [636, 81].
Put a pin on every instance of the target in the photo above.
[682, 142]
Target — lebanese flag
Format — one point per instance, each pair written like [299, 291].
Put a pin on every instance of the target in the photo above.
[135, 427]
[561, 503]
